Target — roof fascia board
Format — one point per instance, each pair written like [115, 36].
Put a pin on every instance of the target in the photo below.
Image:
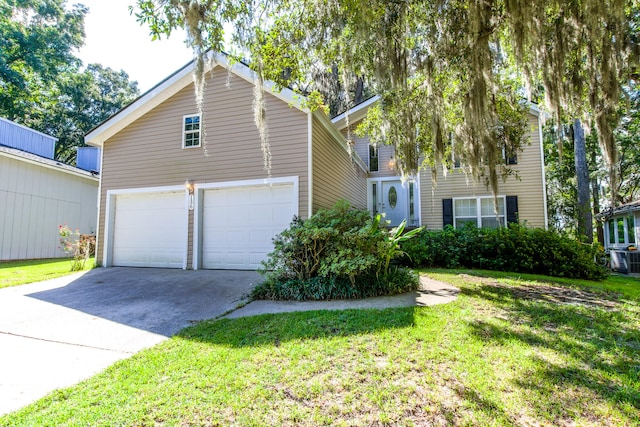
[82, 174]
[358, 112]
[535, 110]
[355, 114]
[173, 85]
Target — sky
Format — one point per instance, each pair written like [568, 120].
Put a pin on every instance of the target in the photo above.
[114, 39]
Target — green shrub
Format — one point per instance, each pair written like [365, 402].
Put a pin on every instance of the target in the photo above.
[397, 281]
[337, 253]
[515, 248]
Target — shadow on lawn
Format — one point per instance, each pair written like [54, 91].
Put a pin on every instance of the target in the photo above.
[584, 342]
[274, 329]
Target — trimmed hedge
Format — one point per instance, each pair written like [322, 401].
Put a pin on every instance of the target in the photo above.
[515, 248]
[397, 281]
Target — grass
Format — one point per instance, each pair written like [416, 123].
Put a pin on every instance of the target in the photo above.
[14, 273]
[511, 350]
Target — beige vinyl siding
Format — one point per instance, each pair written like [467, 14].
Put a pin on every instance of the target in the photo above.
[149, 153]
[529, 188]
[34, 201]
[385, 154]
[335, 175]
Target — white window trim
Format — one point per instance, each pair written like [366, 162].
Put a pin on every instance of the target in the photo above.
[184, 132]
[479, 216]
[627, 232]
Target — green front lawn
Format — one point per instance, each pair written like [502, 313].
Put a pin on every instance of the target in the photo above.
[509, 351]
[20, 272]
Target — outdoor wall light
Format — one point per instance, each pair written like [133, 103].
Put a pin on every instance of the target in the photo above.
[188, 185]
[392, 163]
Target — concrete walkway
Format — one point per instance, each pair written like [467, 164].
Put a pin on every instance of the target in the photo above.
[56, 333]
[431, 292]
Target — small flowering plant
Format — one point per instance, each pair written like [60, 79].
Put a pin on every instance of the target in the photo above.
[73, 246]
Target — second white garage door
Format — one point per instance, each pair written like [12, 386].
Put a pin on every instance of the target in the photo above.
[150, 230]
[239, 223]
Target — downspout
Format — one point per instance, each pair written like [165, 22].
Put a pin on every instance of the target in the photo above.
[544, 177]
[310, 163]
[98, 242]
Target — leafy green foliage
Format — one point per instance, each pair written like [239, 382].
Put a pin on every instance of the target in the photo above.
[516, 248]
[396, 281]
[42, 85]
[628, 139]
[85, 99]
[441, 68]
[560, 167]
[337, 253]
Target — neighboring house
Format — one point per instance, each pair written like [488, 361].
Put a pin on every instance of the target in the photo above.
[621, 236]
[88, 159]
[181, 190]
[37, 194]
[180, 193]
[455, 200]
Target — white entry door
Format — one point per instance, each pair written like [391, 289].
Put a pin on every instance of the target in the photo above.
[239, 223]
[395, 202]
[150, 230]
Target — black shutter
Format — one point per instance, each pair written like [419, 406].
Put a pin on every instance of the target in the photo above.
[447, 212]
[512, 209]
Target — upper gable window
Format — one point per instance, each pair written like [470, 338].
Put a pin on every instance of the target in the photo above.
[191, 131]
[373, 158]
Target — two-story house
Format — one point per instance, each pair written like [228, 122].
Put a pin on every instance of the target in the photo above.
[185, 190]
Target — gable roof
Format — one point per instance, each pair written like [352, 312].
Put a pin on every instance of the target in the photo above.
[356, 113]
[44, 162]
[627, 208]
[172, 85]
[359, 112]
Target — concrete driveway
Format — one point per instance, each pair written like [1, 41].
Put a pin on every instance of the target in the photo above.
[55, 333]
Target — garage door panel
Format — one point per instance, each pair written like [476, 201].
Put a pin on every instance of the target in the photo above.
[149, 230]
[240, 223]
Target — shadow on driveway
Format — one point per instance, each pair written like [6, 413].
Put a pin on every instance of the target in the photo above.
[162, 301]
[67, 329]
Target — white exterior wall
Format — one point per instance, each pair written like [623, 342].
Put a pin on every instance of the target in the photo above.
[34, 201]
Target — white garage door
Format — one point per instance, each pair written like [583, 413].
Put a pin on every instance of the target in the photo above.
[239, 223]
[150, 230]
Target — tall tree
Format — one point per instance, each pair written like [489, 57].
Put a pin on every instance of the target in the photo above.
[441, 67]
[585, 220]
[85, 99]
[561, 168]
[628, 138]
[42, 84]
[37, 40]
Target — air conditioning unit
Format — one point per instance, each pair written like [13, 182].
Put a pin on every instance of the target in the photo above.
[619, 261]
[634, 262]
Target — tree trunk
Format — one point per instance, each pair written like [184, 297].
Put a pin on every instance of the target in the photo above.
[359, 91]
[585, 219]
[595, 193]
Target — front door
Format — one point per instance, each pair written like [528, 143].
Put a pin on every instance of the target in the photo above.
[395, 204]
